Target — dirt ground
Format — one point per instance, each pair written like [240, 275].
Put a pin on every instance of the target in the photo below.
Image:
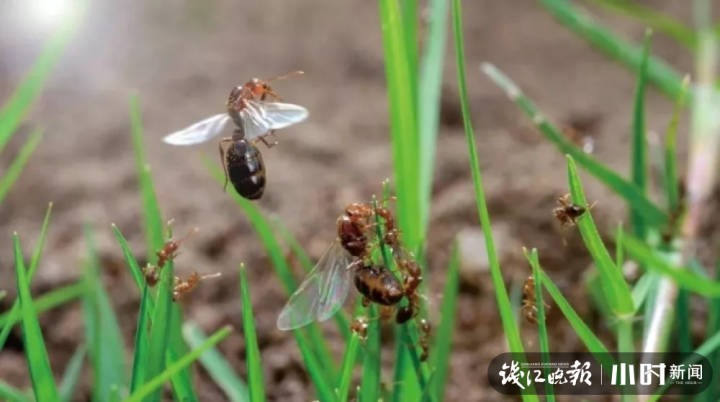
[182, 69]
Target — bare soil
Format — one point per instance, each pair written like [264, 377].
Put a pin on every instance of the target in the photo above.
[182, 69]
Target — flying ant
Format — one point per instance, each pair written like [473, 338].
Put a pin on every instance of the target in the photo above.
[183, 287]
[254, 119]
[529, 307]
[165, 254]
[568, 213]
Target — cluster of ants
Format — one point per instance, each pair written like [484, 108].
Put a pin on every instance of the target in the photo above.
[349, 258]
[567, 214]
[169, 252]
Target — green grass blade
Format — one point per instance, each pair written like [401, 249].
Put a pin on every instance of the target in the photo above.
[159, 338]
[614, 284]
[370, 381]
[670, 159]
[254, 361]
[135, 269]
[346, 371]
[587, 335]
[10, 394]
[639, 153]
[152, 218]
[48, 301]
[107, 353]
[442, 346]
[683, 277]
[506, 313]
[154, 385]
[141, 342]
[542, 328]
[72, 374]
[11, 175]
[14, 314]
[16, 108]
[217, 366]
[660, 73]
[153, 226]
[652, 214]
[410, 20]
[431, 75]
[35, 351]
[320, 350]
[651, 18]
[403, 121]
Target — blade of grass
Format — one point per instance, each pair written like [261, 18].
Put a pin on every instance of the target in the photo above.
[506, 314]
[152, 218]
[542, 329]
[403, 121]
[639, 152]
[107, 354]
[72, 374]
[586, 335]
[254, 361]
[349, 360]
[320, 350]
[153, 226]
[652, 214]
[614, 284]
[8, 178]
[217, 366]
[159, 337]
[670, 159]
[16, 108]
[681, 276]
[153, 386]
[35, 352]
[651, 18]
[431, 75]
[14, 314]
[48, 301]
[370, 382]
[141, 342]
[10, 394]
[660, 74]
[442, 346]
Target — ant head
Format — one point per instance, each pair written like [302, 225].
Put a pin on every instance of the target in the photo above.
[257, 86]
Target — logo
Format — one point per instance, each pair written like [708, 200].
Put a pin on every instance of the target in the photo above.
[600, 374]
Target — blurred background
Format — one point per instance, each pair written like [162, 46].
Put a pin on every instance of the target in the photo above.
[182, 57]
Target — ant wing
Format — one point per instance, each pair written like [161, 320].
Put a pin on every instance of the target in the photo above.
[198, 132]
[261, 117]
[322, 293]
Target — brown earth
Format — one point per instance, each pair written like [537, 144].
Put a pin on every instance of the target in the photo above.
[183, 67]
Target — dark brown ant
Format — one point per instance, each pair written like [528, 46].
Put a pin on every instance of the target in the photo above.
[378, 285]
[529, 307]
[183, 287]
[569, 212]
[243, 165]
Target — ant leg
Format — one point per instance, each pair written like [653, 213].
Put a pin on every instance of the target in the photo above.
[591, 206]
[270, 134]
[223, 152]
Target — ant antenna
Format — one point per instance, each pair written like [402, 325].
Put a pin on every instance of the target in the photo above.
[286, 76]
